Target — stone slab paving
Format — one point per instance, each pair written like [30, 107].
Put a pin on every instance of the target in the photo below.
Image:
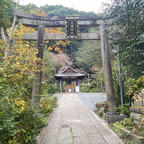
[73, 123]
[89, 99]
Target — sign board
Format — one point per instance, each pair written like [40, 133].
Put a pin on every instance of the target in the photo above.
[72, 27]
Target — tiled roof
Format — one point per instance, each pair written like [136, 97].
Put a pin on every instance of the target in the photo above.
[69, 72]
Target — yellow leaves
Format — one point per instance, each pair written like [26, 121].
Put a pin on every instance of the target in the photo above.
[58, 45]
[21, 104]
[36, 52]
[28, 30]
[18, 104]
[17, 64]
[27, 42]
[21, 26]
[27, 45]
[68, 42]
[22, 64]
[57, 49]
[50, 48]
[3, 46]
[54, 30]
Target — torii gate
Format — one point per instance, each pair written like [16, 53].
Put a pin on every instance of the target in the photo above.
[43, 21]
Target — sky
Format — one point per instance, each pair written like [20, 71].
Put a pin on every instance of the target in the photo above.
[82, 5]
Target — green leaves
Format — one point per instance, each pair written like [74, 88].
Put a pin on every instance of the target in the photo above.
[88, 56]
[6, 12]
[128, 28]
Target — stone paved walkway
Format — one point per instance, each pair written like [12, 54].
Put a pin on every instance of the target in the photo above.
[73, 123]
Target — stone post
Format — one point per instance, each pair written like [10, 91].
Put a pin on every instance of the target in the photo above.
[61, 83]
[78, 84]
[107, 70]
[38, 75]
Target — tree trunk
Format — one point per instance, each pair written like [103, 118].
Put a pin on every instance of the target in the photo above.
[107, 70]
[8, 50]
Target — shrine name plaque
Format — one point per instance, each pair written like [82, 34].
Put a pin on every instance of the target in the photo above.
[72, 27]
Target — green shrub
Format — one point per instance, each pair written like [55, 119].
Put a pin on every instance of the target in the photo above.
[126, 123]
[92, 87]
[7, 121]
[124, 110]
[136, 87]
[47, 104]
[101, 109]
[102, 105]
[49, 87]
[19, 127]
[84, 87]
[28, 126]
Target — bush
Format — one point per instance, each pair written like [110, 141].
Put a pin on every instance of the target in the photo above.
[19, 127]
[84, 87]
[101, 109]
[7, 121]
[136, 87]
[47, 104]
[102, 105]
[124, 110]
[28, 126]
[20, 123]
[94, 86]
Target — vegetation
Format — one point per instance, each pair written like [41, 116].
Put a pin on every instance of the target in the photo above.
[126, 32]
[20, 122]
[102, 108]
[6, 13]
[135, 127]
[23, 122]
[129, 131]
[57, 10]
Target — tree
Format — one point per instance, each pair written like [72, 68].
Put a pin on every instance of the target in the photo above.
[88, 56]
[129, 31]
[3, 12]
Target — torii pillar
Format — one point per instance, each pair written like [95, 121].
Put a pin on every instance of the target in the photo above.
[38, 75]
[107, 70]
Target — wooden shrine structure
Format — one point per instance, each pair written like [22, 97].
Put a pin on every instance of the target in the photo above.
[69, 75]
[71, 24]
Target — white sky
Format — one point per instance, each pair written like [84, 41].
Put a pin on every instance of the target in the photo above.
[82, 5]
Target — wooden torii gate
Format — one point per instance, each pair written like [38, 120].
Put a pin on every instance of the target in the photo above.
[44, 21]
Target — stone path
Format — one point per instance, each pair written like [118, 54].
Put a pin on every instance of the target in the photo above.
[73, 123]
[89, 99]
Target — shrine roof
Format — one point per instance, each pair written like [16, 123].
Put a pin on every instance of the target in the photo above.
[69, 72]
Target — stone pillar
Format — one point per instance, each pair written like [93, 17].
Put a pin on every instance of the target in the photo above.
[38, 75]
[107, 70]
[61, 85]
[78, 84]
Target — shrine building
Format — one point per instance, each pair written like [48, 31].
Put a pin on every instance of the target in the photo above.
[69, 80]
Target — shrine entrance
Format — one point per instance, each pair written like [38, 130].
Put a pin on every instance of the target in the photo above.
[71, 79]
[71, 24]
